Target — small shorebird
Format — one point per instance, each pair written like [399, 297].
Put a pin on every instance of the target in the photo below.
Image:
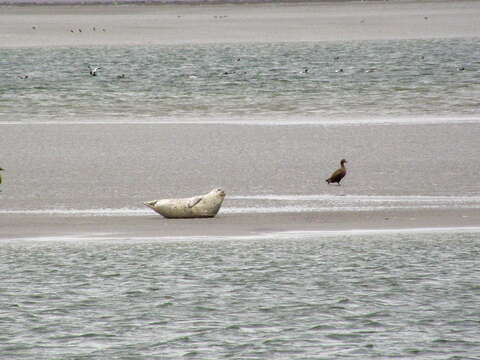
[1, 176]
[93, 70]
[338, 174]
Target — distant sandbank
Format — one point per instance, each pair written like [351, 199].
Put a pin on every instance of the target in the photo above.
[118, 25]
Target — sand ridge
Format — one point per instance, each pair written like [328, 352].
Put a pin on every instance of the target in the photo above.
[112, 25]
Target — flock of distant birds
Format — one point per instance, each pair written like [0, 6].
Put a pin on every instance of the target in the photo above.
[93, 70]
[78, 30]
[93, 29]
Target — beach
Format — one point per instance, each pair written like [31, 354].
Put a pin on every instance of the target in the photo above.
[236, 227]
[122, 25]
[73, 170]
[91, 179]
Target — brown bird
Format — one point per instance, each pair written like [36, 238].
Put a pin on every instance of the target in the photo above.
[339, 174]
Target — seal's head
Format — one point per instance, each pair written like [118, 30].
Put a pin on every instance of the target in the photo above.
[218, 192]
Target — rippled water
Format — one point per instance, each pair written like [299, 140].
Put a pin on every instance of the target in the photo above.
[294, 296]
[380, 79]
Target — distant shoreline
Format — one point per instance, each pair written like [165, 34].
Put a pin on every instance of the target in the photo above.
[161, 2]
[22, 3]
[206, 22]
[176, 2]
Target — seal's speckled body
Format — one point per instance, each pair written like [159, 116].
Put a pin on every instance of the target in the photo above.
[206, 205]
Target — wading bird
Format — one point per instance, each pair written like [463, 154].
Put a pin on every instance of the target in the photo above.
[338, 174]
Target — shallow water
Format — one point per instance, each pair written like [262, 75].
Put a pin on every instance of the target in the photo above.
[404, 79]
[400, 295]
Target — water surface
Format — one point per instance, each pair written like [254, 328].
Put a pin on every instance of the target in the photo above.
[348, 81]
[400, 295]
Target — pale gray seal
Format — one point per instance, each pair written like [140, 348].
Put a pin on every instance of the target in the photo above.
[198, 206]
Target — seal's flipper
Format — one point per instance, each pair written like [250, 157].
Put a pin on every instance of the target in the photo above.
[194, 201]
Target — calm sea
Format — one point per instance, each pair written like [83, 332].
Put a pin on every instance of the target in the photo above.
[399, 296]
[281, 82]
[268, 122]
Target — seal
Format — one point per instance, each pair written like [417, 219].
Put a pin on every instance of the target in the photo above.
[206, 205]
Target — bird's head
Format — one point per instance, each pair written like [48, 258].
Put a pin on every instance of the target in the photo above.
[343, 161]
[1, 169]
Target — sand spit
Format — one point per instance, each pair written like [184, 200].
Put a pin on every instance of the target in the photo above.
[227, 225]
[115, 25]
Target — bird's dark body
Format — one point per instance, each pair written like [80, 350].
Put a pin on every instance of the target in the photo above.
[339, 174]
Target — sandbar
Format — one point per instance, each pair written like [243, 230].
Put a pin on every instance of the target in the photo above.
[142, 25]
[121, 25]
[232, 225]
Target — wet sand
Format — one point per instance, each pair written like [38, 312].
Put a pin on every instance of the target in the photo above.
[77, 167]
[230, 225]
[86, 25]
